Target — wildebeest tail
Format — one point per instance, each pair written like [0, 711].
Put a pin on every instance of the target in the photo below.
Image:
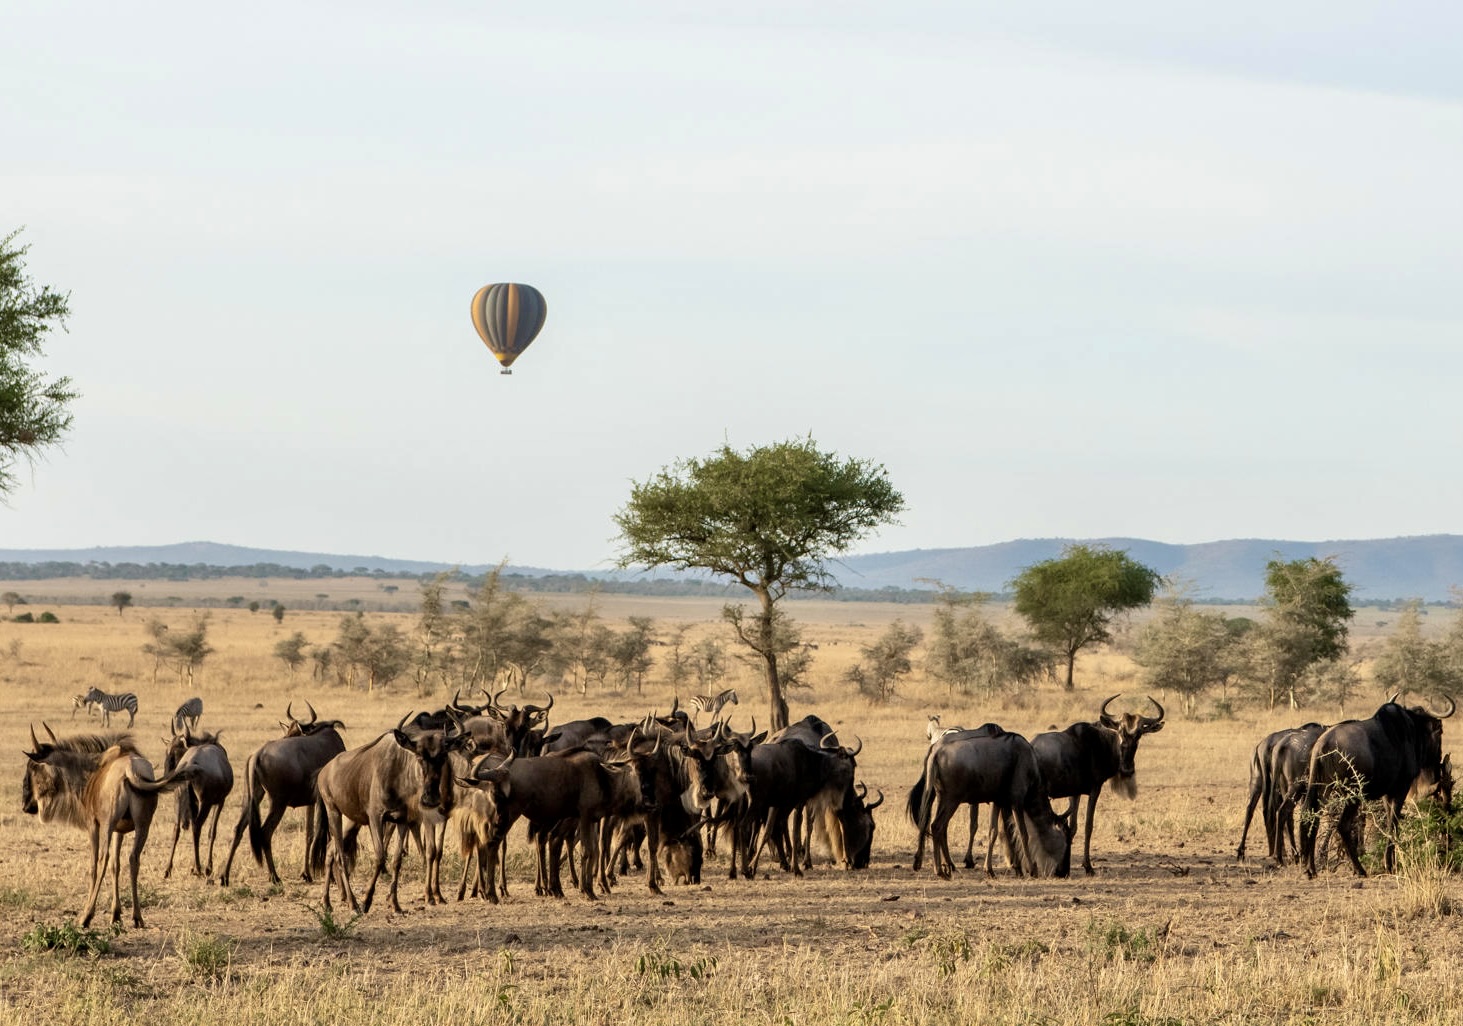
[252, 797]
[319, 835]
[916, 799]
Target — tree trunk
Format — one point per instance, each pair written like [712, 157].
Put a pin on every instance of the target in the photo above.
[769, 656]
[1071, 665]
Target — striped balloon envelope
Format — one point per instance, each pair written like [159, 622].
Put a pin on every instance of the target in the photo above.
[508, 317]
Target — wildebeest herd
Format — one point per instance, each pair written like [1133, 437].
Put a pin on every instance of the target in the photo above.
[662, 791]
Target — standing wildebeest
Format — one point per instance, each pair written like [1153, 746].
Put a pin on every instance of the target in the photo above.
[88, 781]
[1001, 770]
[548, 790]
[285, 770]
[1079, 760]
[188, 715]
[1278, 764]
[401, 781]
[202, 762]
[1366, 760]
[939, 736]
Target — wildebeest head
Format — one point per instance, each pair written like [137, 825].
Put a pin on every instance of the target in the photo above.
[857, 818]
[1130, 728]
[433, 750]
[56, 772]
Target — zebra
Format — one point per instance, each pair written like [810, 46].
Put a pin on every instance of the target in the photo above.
[713, 703]
[109, 704]
[189, 713]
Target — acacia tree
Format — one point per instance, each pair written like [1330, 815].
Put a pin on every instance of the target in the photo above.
[768, 518]
[968, 652]
[1308, 609]
[1071, 602]
[121, 599]
[1186, 650]
[885, 661]
[34, 411]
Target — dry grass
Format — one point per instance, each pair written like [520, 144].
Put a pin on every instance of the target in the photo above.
[1171, 930]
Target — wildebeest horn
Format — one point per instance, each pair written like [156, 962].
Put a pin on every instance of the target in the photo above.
[403, 720]
[50, 733]
[289, 714]
[313, 714]
[1159, 717]
[34, 744]
[493, 701]
[861, 789]
[824, 742]
[1452, 708]
[854, 751]
[1103, 713]
[875, 803]
[1393, 700]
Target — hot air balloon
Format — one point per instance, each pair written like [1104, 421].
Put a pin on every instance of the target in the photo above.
[508, 317]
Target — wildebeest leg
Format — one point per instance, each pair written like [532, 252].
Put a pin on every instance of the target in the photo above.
[990, 848]
[1087, 831]
[406, 834]
[1254, 800]
[1345, 829]
[970, 844]
[251, 808]
[309, 833]
[99, 855]
[177, 829]
[212, 837]
[652, 846]
[588, 837]
[940, 837]
[141, 826]
[267, 829]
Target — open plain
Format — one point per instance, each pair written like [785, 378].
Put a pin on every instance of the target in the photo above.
[1170, 930]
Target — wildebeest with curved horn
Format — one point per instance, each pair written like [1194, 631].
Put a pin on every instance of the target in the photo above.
[285, 770]
[202, 764]
[1366, 760]
[1001, 770]
[1277, 771]
[1079, 760]
[87, 781]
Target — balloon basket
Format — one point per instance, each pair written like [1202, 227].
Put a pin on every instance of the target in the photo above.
[506, 370]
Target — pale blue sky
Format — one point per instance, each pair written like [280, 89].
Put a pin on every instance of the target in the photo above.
[1181, 272]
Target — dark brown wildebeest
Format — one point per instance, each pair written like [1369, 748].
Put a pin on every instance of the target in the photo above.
[202, 762]
[548, 790]
[1079, 760]
[1277, 766]
[399, 781]
[87, 781]
[715, 763]
[285, 769]
[1381, 758]
[939, 736]
[1002, 771]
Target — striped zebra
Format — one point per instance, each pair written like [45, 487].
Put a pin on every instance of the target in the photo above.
[109, 704]
[188, 715]
[713, 703]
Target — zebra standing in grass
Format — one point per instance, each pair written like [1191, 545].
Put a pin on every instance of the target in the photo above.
[188, 714]
[109, 704]
[713, 703]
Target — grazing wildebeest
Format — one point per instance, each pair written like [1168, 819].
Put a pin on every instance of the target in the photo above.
[202, 764]
[285, 770]
[1001, 770]
[1357, 761]
[108, 704]
[88, 781]
[856, 816]
[400, 780]
[1079, 760]
[939, 736]
[187, 716]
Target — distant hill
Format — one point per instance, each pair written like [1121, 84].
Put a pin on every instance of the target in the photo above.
[1425, 567]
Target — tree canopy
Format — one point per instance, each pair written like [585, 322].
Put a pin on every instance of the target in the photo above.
[34, 410]
[1070, 602]
[1308, 607]
[769, 518]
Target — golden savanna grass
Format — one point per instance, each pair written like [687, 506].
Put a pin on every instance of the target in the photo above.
[1170, 930]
